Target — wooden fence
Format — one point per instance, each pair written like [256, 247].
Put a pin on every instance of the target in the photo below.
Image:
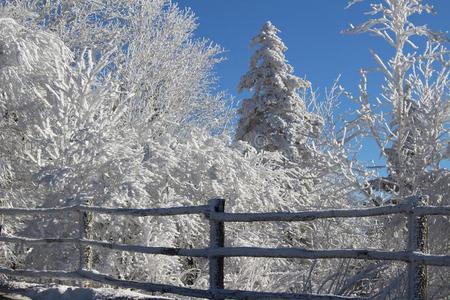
[414, 256]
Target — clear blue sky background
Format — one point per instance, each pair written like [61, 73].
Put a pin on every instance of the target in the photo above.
[310, 29]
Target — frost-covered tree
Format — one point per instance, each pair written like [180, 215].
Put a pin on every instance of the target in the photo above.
[164, 72]
[62, 145]
[411, 134]
[409, 120]
[85, 86]
[275, 118]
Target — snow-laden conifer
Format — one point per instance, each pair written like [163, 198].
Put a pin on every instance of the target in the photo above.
[275, 117]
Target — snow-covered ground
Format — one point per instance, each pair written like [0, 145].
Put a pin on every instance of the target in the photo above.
[25, 291]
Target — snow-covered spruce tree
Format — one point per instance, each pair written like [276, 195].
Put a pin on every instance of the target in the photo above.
[275, 118]
[409, 122]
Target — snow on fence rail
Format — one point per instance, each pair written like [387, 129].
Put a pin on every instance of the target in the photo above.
[415, 256]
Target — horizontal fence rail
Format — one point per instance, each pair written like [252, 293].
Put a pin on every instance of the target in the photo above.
[139, 212]
[415, 257]
[239, 217]
[163, 288]
[405, 256]
[328, 214]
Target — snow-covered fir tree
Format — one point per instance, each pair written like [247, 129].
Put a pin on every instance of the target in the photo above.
[275, 117]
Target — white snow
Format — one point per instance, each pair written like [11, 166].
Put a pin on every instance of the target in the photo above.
[22, 290]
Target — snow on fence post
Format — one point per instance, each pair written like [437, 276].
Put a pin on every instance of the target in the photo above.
[417, 242]
[216, 240]
[85, 224]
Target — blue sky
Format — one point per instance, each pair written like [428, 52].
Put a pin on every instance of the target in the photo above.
[310, 29]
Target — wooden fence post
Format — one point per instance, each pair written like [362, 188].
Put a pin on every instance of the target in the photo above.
[417, 242]
[216, 240]
[84, 230]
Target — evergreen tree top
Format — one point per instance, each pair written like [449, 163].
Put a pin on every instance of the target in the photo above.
[268, 38]
[275, 118]
[270, 73]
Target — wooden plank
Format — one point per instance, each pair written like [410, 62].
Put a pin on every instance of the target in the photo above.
[35, 211]
[140, 212]
[237, 217]
[145, 286]
[198, 293]
[202, 252]
[432, 210]
[406, 256]
[431, 260]
[237, 294]
[310, 215]
[114, 246]
[311, 254]
[145, 212]
[25, 240]
[163, 288]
